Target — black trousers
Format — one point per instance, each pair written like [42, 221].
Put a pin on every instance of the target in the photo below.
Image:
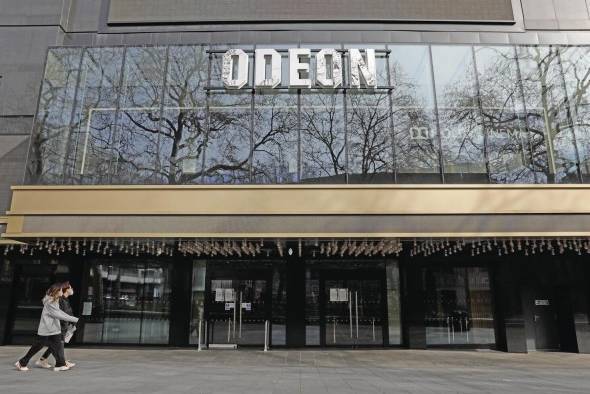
[53, 342]
[48, 351]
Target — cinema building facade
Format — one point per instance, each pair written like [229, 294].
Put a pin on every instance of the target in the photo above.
[288, 178]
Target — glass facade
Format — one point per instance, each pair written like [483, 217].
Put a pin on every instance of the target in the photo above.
[127, 302]
[453, 114]
[459, 307]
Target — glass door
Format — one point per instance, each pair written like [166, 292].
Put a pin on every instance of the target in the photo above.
[127, 302]
[237, 310]
[353, 313]
[32, 281]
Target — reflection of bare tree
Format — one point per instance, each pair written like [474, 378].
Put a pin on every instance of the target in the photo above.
[51, 129]
[275, 138]
[369, 133]
[415, 142]
[322, 120]
[522, 109]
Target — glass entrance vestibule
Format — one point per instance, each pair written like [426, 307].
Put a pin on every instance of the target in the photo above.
[344, 303]
[300, 298]
[252, 302]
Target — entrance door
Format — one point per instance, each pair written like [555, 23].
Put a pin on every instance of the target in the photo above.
[237, 310]
[353, 311]
[545, 322]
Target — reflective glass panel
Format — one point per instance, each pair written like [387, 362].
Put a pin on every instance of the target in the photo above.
[52, 129]
[100, 95]
[459, 307]
[576, 64]
[137, 136]
[323, 147]
[506, 141]
[460, 122]
[415, 143]
[184, 120]
[276, 137]
[129, 302]
[228, 143]
[552, 147]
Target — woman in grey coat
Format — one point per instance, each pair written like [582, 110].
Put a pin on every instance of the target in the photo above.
[49, 332]
[65, 306]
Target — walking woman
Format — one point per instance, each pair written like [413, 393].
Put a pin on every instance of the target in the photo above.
[49, 332]
[65, 306]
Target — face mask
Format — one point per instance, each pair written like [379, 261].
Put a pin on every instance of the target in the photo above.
[70, 291]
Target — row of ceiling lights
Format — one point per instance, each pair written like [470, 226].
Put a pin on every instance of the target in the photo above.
[319, 247]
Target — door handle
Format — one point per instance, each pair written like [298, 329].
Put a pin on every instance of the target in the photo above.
[350, 312]
[535, 318]
[356, 307]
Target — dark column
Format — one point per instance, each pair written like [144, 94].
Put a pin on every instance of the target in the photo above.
[295, 297]
[413, 307]
[581, 308]
[565, 319]
[510, 323]
[6, 278]
[180, 303]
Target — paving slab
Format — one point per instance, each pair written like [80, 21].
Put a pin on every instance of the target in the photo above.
[166, 370]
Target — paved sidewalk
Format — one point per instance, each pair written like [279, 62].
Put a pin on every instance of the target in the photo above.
[169, 371]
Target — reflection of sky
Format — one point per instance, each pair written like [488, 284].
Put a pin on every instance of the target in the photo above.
[452, 66]
[413, 62]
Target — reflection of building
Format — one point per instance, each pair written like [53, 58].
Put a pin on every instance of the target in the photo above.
[441, 202]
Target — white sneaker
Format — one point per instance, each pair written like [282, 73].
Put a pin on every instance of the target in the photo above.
[70, 364]
[43, 363]
[20, 367]
[59, 369]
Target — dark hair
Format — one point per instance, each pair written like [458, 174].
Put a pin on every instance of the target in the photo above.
[65, 285]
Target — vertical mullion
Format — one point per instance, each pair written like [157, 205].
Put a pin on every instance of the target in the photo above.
[481, 116]
[120, 94]
[161, 115]
[72, 116]
[207, 118]
[441, 166]
[143, 293]
[345, 80]
[570, 117]
[299, 155]
[83, 99]
[253, 92]
[391, 121]
[526, 116]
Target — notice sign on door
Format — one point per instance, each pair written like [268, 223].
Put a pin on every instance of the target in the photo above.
[338, 295]
[229, 295]
[87, 309]
[224, 295]
[247, 306]
[229, 306]
[542, 302]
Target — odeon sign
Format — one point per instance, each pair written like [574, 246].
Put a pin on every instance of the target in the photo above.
[328, 73]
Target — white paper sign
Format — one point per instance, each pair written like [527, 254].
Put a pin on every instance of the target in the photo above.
[247, 306]
[229, 306]
[87, 309]
[219, 295]
[229, 295]
[333, 295]
[343, 295]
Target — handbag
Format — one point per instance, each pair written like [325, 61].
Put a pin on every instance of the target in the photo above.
[69, 333]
